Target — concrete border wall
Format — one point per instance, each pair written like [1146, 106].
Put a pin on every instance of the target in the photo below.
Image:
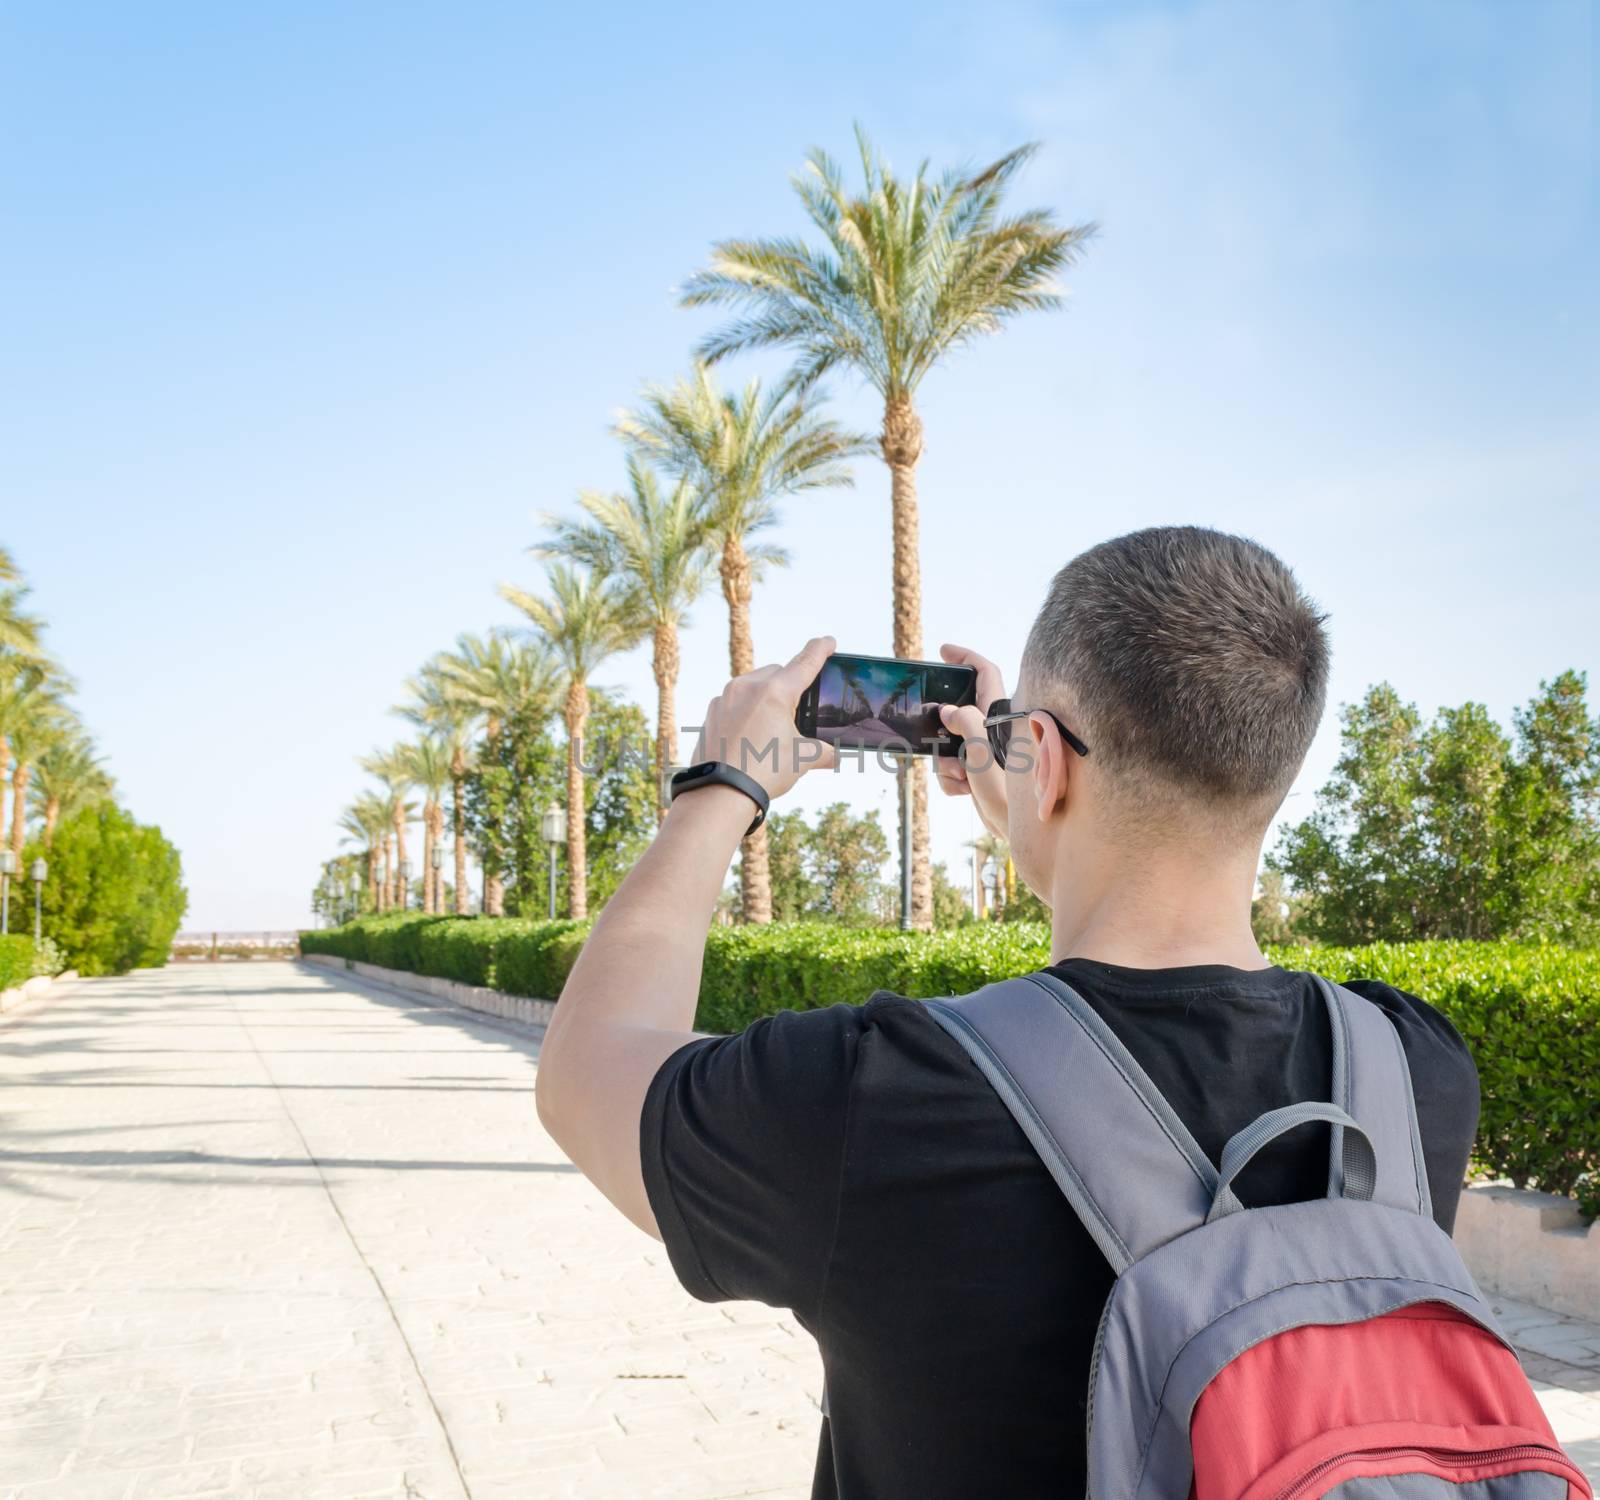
[33, 989]
[1531, 1246]
[468, 996]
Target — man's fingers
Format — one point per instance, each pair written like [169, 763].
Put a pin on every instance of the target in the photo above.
[806, 663]
[815, 755]
[952, 776]
[964, 719]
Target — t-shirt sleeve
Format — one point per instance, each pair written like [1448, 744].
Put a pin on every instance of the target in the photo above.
[1444, 1080]
[742, 1143]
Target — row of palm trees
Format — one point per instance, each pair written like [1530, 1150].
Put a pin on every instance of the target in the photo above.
[898, 274]
[48, 765]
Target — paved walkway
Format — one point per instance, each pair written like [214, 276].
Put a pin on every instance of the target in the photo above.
[267, 1233]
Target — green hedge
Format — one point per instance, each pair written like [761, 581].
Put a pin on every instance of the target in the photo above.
[1530, 1013]
[16, 961]
[510, 954]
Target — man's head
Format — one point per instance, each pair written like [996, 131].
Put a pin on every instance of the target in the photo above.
[1194, 668]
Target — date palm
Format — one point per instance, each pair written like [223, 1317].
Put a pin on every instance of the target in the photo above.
[743, 452]
[428, 762]
[434, 708]
[660, 546]
[906, 272]
[393, 769]
[67, 777]
[366, 822]
[32, 718]
[587, 617]
[496, 680]
[19, 631]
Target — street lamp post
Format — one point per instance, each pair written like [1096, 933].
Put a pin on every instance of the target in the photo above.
[438, 865]
[405, 884]
[355, 896]
[554, 827]
[8, 868]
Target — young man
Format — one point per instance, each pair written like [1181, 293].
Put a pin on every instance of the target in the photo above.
[851, 1163]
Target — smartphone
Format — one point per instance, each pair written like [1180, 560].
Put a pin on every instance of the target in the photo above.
[880, 702]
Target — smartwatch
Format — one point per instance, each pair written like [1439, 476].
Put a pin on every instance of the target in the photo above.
[720, 773]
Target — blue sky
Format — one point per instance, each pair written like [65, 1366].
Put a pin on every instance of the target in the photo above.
[310, 309]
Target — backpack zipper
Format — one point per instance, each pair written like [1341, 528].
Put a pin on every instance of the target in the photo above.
[1450, 1456]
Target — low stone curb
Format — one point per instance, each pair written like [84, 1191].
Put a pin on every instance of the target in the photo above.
[476, 997]
[33, 989]
[1531, 1246]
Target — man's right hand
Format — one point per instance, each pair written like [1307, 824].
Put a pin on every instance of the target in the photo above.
[974, 774]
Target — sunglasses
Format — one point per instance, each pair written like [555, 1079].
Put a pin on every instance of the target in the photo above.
[1001, 723]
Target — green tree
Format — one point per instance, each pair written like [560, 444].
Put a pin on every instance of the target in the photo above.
[1452, 829]
[905, 273]
[523, 772]
[743, 452]
[487, 681]
[115, 895]
[951, 907]
[794, 893]
[831, 870]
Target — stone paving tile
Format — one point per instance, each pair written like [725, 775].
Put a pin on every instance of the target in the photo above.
[268, 1233]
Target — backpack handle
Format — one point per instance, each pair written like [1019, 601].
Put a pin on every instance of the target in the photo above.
[1360, 1162]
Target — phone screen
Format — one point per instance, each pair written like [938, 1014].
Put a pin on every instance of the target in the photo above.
[882, 703]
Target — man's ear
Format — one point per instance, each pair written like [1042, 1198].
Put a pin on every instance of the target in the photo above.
[1050, 770]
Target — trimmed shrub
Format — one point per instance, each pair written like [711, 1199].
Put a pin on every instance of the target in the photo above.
[16, 961]
[460, 948]
[536, 957]
[115, 895]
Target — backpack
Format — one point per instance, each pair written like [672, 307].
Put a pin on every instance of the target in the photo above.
[1336, 1347]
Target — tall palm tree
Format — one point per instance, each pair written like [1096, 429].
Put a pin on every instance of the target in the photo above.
[434, 708]
[428, 761]
[498, 679]
[32, 714]
[32, 738]
[392, 768]
[906, 273]
[587, 617]
[19, 631]
[743, 451]
[68, 776]
[660, 545]
[366, 823]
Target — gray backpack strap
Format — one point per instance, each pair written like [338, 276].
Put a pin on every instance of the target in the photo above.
[1126, 1163]
[1372, 1083]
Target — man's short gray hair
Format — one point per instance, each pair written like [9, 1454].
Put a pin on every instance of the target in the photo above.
[1189, 656]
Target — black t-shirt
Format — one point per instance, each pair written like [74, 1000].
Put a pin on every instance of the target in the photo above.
[852, 1164]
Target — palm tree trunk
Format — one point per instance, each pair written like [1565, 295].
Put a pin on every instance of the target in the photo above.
[494, 888]
[429, 873]
[664, 663]
[577, 717]
[387, 899]
[458, 776]
[374, 889]
[755, 872]
[52, 815]
[902, 447]
[19, 806]
[402, 895]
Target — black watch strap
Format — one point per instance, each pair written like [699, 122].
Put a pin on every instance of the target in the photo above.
[720, 773]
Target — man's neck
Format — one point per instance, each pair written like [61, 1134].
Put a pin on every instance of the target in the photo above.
[1163, 909]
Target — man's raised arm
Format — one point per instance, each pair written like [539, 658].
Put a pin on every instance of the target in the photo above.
[629, 1003]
